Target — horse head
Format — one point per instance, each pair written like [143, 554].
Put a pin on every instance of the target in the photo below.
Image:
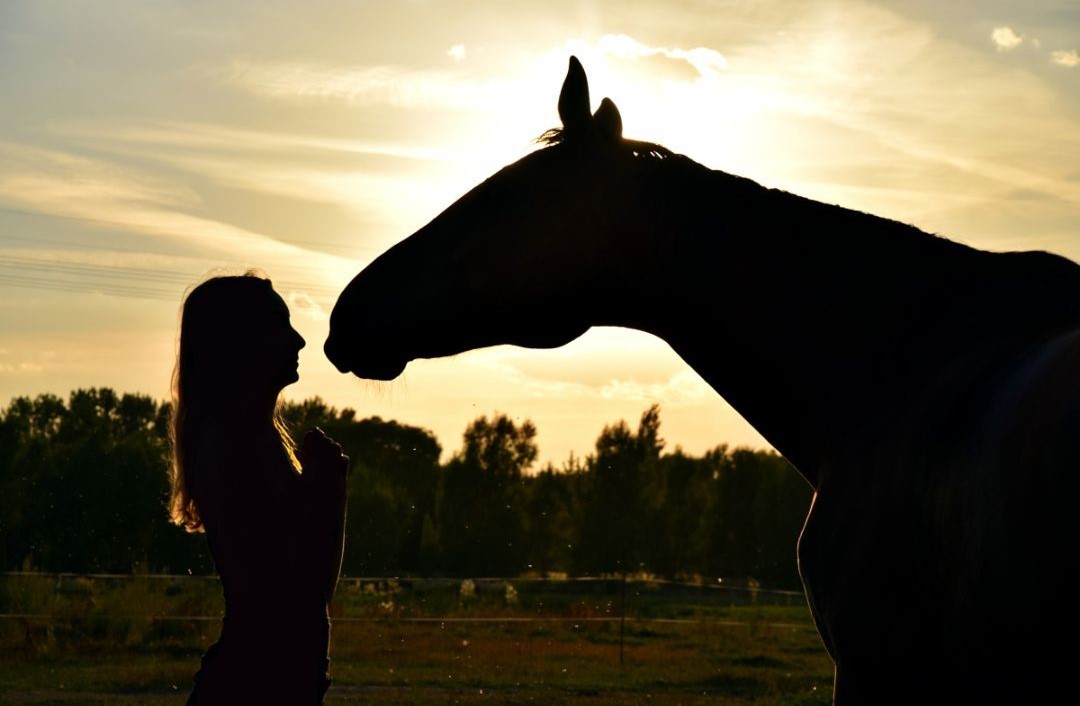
[523, 258]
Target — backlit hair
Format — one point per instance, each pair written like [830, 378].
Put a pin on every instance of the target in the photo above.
[209, 349]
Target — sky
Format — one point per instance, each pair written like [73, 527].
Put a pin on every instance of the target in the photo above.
[146, 144]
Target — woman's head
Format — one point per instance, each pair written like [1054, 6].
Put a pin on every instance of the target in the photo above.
[235, 342]
[237, 351]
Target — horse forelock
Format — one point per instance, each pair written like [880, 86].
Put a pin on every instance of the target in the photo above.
[637, 148]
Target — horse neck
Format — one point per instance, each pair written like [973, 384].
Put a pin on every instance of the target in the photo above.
[814, 321]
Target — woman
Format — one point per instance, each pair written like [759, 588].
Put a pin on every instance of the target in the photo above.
[274, 516]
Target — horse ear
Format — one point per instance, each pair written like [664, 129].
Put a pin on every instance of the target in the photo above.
[608, 119]
[574, 98]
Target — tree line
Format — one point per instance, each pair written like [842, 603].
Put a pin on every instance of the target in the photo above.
[84, 482]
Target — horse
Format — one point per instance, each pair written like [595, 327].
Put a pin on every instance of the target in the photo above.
[928, 391]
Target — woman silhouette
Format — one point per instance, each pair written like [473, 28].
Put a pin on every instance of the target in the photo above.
[274, 515]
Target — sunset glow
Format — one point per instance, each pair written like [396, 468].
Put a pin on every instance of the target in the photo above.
[145, 144]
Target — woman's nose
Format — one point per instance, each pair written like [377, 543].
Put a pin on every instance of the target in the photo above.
[300, 342]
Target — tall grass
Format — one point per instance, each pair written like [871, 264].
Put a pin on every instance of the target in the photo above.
[89, 640]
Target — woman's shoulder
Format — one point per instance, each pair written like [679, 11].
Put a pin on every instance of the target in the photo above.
[247, 470]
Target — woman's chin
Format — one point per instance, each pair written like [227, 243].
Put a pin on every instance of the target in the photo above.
[287, 379]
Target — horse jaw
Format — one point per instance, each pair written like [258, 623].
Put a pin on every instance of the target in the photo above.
[376, 364]
[382, 370]
[554, 338]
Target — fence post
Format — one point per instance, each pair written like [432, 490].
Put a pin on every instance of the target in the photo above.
[622, 618]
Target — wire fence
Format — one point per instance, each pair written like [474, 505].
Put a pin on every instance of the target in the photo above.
[73, 599]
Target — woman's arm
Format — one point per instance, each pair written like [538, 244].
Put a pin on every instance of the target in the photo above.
[336, 546]
[325, 470]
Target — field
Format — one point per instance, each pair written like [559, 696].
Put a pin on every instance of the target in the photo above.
[105, 640]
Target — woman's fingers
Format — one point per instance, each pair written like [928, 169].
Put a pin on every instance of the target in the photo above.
[316, 443]
[322, 455]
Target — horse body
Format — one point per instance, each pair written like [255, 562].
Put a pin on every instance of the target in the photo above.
[925, 389]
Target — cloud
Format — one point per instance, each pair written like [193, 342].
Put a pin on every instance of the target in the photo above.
[440, 88]
[186, 136]
[120, 198]
[1069, 58]
[116, 198]
[389, 85]
[612, 364]
[303, 303]
[683, 388]
[704, 61]
[1006, 39]
[9, 368]
[324, 190]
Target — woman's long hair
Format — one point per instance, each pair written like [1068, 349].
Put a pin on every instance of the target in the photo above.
[211, 354]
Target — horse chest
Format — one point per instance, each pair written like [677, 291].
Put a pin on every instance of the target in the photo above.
[933, 549]
[861, 574]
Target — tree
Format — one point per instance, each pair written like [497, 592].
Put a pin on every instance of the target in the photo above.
[677, 507]
[392, 485]
[549, 512]
[613, 517]
[85, 485]
[758, 503]
[780, 508]
[480, 519]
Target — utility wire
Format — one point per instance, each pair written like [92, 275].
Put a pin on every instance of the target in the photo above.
[99, 221]
[121, 280]
[135, 273]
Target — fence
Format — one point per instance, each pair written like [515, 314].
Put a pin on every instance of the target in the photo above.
[78, 598]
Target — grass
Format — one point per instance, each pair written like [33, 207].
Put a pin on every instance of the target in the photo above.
[412, 643]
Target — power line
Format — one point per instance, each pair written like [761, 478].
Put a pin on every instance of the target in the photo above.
[82, 245]
[120, 280]
[115, 290]
[80, 268]
[137, 275]
[126, 272]
[315, 271]
[121, 290]
[100, 221]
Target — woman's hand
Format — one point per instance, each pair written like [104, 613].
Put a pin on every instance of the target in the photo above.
[323, 463]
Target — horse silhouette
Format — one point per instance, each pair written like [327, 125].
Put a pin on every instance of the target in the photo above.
[927, 390]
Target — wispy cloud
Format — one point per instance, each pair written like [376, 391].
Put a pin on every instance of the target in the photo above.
[704, 60]
[389, 85]
[228, 138]
[107, 196]
[629, 382]
[98, 191]
[365, 182]
[20, 368]
[684, 388]
[453, 89]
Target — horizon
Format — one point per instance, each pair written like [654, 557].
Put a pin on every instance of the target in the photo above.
[145, 146]
[542, 463]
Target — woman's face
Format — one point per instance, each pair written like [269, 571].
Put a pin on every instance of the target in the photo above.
[273, 343]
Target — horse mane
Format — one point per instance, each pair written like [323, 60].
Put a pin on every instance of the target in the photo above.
[661, 160]
[638, 148]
